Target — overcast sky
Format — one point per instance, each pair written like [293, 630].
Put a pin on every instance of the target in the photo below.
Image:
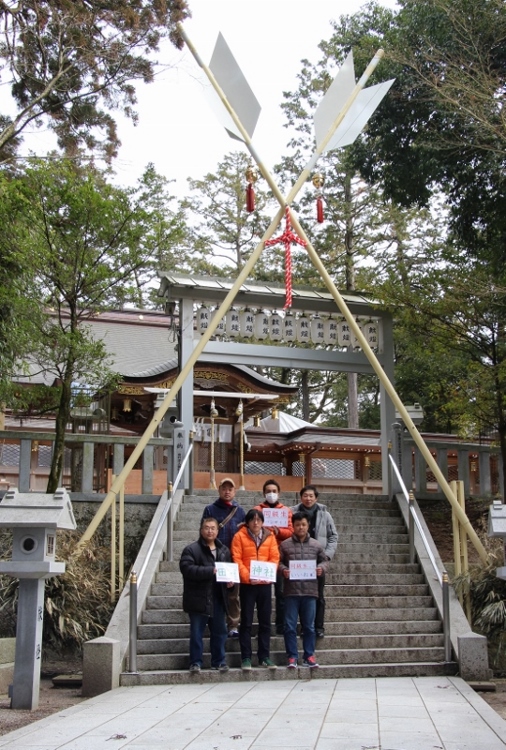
[177, 130]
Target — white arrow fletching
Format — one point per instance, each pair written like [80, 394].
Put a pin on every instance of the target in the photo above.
[237, 90]
[359, 113]
[335, 98]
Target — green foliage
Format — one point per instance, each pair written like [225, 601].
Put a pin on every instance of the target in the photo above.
[68, 64]
[81, 245]
[18, 308]
[437, 140]
[443, 127]
[487, 594]
[77, 604]
[222, 232]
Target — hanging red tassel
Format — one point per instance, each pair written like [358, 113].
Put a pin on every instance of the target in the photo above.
[251, 177]
[319, 210]
[250, 198]
[318, 184]
[287, 238]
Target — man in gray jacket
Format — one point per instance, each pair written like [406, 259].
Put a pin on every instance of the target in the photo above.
[323, 529]
[303, 562]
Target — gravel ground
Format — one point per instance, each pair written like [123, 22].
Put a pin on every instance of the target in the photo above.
[51, 699]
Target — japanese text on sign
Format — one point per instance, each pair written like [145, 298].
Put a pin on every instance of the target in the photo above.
[262, 571]
[227, 572]
[302, 569]
[276, 517]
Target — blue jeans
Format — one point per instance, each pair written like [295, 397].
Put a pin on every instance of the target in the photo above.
[305, 608]
[218, 634]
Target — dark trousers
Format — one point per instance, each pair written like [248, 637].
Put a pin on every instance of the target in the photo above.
[319, 622]
[280, 602]
[217, 632]
[259, 596]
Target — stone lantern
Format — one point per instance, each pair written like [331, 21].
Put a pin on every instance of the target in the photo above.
[497, 528]
[33, 518]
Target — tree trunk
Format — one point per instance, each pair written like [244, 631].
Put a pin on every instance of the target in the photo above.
[62, 417]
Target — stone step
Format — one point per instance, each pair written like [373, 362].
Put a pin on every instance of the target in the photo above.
[357, 548]
[383, 627]
[371, 590]
[376, 628]
[388, 526]
[339, 615]
[378, 602]
[369, 614]
[340, 564]
[332, 590]
[342, 561]
[340, 508]
[389, 558]
[325, 672]
[150, 662]
[171, 646]
[337, 609]
[293, 498]
[163, 616]
[354, 548]
[363, 537]
[333, 578]
[379, 579]
[340, 567]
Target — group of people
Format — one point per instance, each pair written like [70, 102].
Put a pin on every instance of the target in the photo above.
[300, 548]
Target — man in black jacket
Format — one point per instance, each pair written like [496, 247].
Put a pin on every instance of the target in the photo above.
[203, 598]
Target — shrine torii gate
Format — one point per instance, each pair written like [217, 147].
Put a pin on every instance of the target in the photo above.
[339, 119]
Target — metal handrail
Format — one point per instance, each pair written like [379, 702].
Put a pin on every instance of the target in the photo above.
[442, 576]
[416, 520]
[134, 578]
[164, 515]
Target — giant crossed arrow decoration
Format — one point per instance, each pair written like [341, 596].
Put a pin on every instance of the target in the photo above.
[339, 118]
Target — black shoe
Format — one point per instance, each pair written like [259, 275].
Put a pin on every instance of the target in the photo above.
[320, 634]
[220, 668]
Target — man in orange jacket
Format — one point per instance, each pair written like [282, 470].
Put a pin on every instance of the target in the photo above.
[254, 544]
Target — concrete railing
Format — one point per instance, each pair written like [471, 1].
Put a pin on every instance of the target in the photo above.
[104, 658]
[470, 649]
[95, 457]
[100, 456]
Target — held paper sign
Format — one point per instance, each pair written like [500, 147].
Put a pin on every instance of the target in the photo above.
[227, 572]
[276, 517]
[263, 571]
[302, 569]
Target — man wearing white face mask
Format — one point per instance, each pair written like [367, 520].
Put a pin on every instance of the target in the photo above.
[271, 492]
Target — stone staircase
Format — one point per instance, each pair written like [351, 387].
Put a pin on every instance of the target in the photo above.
[380, 618]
